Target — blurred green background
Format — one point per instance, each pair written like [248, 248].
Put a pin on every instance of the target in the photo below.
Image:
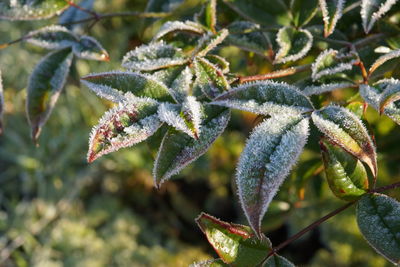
[57, 210]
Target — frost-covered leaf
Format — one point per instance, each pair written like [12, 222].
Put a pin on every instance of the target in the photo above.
[186, 118]
[182, 85]
[248, 36]
[45, 85]
[382, 59]
[220, 62]
[277, 261]
[331, 62]
[31, 10]
[390, 93]
[177, 149]
[114, 85]
[153, 56]
[332, 11]
[266, 98]
[130, 122]
[378, 217]
[302, 11]
[236, 244]
[210, 263]
[373, 10]
[345, 129]
[270, 152]
[52, 37]
[90, 48]
[1, 104]
[209, 41]
[208, 15]
[357, 108]
[293, 44]
[209, 80]
[75, 14]
[346, 175]
[178, 26]
[323, 88]
[373, 95]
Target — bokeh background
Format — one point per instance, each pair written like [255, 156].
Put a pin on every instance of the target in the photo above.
[57, 210]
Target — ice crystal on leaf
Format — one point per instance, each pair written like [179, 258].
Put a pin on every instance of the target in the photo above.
[113, 86]
[390, 93]
[373, 10]
[130, 122]
[384, 58]
[90, 48]
[332, 11]
[177, 149]
[293, 44]
[154, 56]
[346, 130]
[331, 62]
[265, 98]
[270, 152]
[31, 10]
[181, 86]
[324, 88]
[209, 41]
[52, 37]
[378, 217]
[174, 26]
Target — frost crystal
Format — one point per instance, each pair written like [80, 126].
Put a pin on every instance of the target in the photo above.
[330, 21]
[323, 88]
[30, 10]
[293, 44]
[331, 62]
[382, 59]
[265, 98]
[153, 56]
[270, 152]
[129, 123]
[181, 86]
[173, 26]
[52, 37]
[208, 42]
[373, 10]
[90, 48]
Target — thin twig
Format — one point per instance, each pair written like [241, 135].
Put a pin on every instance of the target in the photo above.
[385, 188]
[275, 74]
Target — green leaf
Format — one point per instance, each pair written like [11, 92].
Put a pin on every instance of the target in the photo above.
[177, 149]
[248, 36]
[73, 14]
[45, 85]
[31, 10]
[373, 95]
[265, 98]
[52, 37]
[210, 41]
[236, 244]
[264, 12]
[175, 26]
[357, 108]
[346, 175]
[90, 48]
[383, 59]
[373, 10]
[129, 123]
[209, 80]
[1, 104]
[332, 11]
[345, 129]
[293, 44]
[331, 62]
[270, 152]
[220, 62]
[153, 56]
[378, 217]
[277, 261]
[208, 15]
[210, 263]
[114, 85]
[325, 87]
[303, 11]
[390, 93]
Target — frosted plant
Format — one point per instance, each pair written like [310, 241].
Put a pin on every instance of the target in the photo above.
[174, 26]
[31, 10]
[373, 10]
[52, 37]
[209, 41]
[324, 88]
[90, 48]
[332, 11]
[384, 58]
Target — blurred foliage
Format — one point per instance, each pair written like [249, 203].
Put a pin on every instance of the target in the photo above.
[56, 210]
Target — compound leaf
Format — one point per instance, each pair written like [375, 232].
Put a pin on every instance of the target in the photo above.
[90, 48]
[52, 37]
[346, 175]
[153, 56]
[266, 98]
[130, 122]
[331, 62]
[45, 84]
[345, 129]
[373, 10]
[177, 149]
[31, 10]
[332, 11]
[114, 85]
[378, 217]
[270, 152]
[293, 44]
[235, 244]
